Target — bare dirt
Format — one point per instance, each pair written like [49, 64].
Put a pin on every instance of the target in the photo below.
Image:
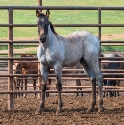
[74, 110]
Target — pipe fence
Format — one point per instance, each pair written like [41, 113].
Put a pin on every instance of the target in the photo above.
[8, 61]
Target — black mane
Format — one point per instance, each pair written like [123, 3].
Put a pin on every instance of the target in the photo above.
[52, 28]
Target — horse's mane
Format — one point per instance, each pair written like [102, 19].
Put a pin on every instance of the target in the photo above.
[52, 28]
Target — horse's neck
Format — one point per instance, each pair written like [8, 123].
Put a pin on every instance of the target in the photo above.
[25, 65]
[50, 37]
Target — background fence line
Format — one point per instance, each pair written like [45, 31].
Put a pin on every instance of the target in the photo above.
[11, 43]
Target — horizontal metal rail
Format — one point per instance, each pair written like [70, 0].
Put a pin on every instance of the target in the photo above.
[20, 45]
[61, 8]
[36, 41]
[19, 41]
[16, 54]
[75, 87]
[64, 25]
[35, 58]
[53, 75]
[63, 91]
[112, 45]
[83, 87]
[80, 78]
[80, 70]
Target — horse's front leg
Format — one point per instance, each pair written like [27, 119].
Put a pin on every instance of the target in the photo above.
[58, 71]
[15, 87]
[44, 73]
[21, 85]
[25, 84]
[34, 85]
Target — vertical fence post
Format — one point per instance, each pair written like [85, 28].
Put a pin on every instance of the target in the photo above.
[39, 78]
[99, 22]
[10, 62]
[40, 4]
[99, 32]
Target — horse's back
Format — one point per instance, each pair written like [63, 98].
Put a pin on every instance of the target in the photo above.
[80, 44]
[110, 65]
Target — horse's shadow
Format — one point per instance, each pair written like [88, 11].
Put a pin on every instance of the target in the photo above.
[113, 110]
[82, 110]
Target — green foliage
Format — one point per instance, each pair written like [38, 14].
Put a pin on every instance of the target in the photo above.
[112, 48]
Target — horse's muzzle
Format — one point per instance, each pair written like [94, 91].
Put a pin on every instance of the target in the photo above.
[43, 39]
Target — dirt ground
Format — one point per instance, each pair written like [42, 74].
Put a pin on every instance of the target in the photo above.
[74, 110]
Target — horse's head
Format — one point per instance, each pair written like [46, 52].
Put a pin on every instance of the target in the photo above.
[17, 67]
[43, 23]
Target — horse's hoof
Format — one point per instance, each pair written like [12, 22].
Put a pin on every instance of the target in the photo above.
[38, 112]
[58, 111]
[24, 96]
[89, 110]
[100, 110]
[76, 95]
[103, 96]
[35, 97]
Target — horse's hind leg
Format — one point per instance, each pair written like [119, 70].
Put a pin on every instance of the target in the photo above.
[48, 87]
[15, 84]
[18, 86]
[78, 83]
[34, 84]
[91, 67]
[25, 84]
[90, 74]
[99, 82]
[21, 85]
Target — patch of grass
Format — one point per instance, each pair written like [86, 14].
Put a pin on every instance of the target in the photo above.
[63, 16]
[112, 48]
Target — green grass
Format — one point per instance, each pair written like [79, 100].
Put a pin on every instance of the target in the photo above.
[64, 17]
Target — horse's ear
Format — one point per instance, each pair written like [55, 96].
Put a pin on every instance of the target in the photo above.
[47, 13]
[37, 13]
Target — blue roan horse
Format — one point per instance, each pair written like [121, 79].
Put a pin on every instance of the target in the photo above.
[60, 51]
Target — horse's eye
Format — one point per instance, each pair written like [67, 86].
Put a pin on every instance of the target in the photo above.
[47, 23]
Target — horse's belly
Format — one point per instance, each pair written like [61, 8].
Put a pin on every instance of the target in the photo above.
[71, 60]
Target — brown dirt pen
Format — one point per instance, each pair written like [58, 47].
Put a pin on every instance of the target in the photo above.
[74, 109]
